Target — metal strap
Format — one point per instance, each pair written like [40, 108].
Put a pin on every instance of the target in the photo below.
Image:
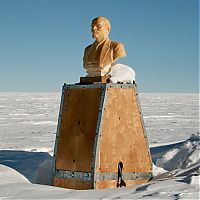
[102, 85]
[83, 176]
[86, 176]
[126, 176]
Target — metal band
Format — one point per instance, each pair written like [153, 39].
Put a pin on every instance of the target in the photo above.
[96, 141]
[125, 175]
[100, 85]
[58, 132]
[82, 176]
[143, 125]
[100, 176]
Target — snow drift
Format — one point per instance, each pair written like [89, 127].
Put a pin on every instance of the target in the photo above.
[175, 177]
[183, 155]
[26, 149]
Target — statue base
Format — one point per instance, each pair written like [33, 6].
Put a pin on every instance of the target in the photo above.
[101, 140]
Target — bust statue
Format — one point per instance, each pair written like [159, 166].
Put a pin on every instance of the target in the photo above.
[99, 56]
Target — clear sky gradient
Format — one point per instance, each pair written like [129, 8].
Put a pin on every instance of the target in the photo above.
[42, 42]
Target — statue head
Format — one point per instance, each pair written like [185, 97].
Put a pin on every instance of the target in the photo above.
[100, 28]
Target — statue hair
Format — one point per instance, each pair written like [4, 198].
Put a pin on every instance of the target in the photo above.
[107, 22]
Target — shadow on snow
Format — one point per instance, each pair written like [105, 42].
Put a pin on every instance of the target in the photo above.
[26, 163]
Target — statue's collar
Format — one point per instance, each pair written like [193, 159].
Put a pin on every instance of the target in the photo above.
[101, 42]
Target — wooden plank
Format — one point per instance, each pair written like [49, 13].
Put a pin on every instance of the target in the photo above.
[72, 184]
[122, 135]
[113, 183]
[77, 129]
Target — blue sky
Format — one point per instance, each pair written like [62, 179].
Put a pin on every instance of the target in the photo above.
[42, 42]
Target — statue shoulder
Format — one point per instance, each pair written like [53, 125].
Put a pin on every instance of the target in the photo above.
[118, 50]
[88, 47]
[116, 44]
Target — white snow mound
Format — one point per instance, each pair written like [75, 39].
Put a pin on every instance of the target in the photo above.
[9, 175]
[182, 156]
[122, 73]
[158, 170]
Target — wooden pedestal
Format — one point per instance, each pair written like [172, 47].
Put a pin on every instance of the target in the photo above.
[100, 126]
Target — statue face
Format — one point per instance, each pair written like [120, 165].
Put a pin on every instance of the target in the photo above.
[99, 30]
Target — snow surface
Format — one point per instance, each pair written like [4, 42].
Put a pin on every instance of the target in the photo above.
[28, 124]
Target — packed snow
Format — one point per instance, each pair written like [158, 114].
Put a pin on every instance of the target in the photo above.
[28, 125]
[121, 73]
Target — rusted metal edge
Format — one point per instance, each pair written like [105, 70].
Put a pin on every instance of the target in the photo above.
[58, 132]
[97, 135]
[142, 121]
[101, 176]
[101, 85]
